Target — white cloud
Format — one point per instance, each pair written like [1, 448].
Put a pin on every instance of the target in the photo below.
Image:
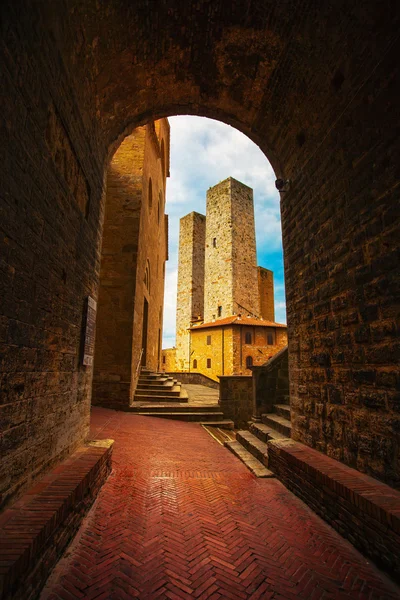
[204, 152]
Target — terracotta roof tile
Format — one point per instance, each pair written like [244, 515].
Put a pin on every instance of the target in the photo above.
[236, 320]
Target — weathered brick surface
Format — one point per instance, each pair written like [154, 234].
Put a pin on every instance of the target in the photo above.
[314, 85]
[134, 241]
[236, 399]
[186, 519]
[36, 530]
[270, 384]
[361, 508]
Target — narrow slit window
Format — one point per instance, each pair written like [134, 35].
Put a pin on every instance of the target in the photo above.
[208, 363]
[195, 363]
[220, 311]
[214, 242]
[209, 340]
[249, 362]
[247, 337]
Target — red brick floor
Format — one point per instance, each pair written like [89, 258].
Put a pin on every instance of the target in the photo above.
[180, 517]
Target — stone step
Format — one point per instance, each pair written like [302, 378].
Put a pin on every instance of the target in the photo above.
[278, 423]
[264, 433]
[153, 377]
[254, 465]
[283, 410]
[225, 424]
[197, 417]
[255, 446]
[156, 385]
[160, 399]
[173, 391]
[175, 407]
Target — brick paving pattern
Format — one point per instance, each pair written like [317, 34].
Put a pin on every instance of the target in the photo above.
[180, 517]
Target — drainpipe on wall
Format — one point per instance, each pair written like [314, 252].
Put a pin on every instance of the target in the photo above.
[223, 351]
[241, 357]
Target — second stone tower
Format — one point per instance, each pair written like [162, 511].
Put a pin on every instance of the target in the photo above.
[230, 267]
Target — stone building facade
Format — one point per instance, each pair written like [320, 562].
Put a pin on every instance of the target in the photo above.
[132, 273]
[225, 303]
[231, 346]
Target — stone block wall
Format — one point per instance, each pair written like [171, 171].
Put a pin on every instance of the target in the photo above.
[271, 384]
[120, 247]
[230, 275]
[236, 399]
[266, 293]
[259, 350]
[196, 378]
[134, 251]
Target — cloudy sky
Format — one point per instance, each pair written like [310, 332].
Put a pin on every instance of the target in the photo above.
[203, 153]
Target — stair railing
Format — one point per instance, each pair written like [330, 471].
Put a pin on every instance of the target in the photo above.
[139, 361]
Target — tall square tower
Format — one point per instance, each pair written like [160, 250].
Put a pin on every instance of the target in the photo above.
[190, 294]
[230, 271]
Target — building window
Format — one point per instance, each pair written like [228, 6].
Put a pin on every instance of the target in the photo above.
[247, 337]
[270, 338]
[160, 201]
[163, 360]
[146, 278]
[195, 363]
[150, 195]
[249, 362]
[214, 242]
[208, 363]
[209, 340]
[220, 311]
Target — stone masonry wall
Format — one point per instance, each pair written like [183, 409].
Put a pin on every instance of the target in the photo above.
[219, 351]
[134, 239]
[168, 360]
[266, 293]
[235, 399]
[153, 251]
[259, 349]
[230, 252]
[114, 325]
[190, 292]
[244, 258]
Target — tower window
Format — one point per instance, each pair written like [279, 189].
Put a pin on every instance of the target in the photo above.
[195, 363]
[270, 339]
[208, 363]
[150, 194]
[247, 338]
[209, 340]
[163, 359]
[214, 242]
[220, 311]
[249, 362]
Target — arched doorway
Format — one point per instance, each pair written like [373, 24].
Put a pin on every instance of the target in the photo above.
[315, 86]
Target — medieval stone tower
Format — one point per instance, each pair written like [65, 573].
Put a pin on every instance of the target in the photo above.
[230, 271]
[217, 271]
[190, 298]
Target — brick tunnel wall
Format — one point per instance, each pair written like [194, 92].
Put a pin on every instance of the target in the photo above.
[316, 87]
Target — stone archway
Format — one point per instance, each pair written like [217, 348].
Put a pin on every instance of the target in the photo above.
[314, 85]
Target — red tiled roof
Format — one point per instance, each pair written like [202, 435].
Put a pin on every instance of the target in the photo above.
[236, 320]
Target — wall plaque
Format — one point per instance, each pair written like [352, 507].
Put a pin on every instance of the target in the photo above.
[90, 330]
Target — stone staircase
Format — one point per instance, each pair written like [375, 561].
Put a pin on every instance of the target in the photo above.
[251, 445]
[159, 395]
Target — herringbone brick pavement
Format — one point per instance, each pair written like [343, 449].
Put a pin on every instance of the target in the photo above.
[180, 517]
